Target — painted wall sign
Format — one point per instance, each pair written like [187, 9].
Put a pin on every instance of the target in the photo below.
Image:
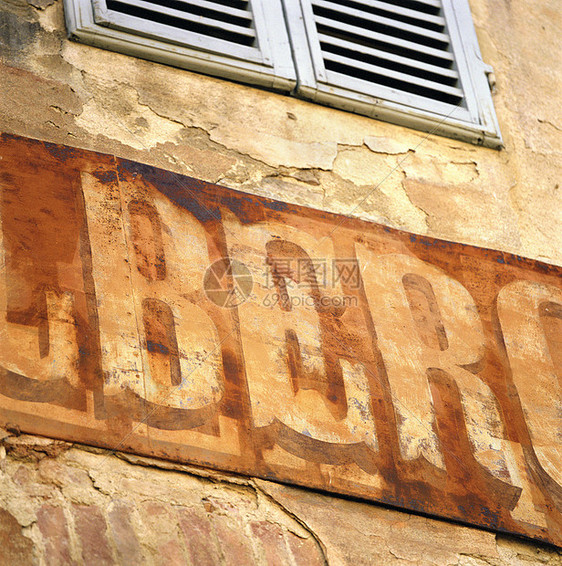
[146, 311]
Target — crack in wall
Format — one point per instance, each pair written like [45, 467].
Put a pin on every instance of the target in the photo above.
[297, 519]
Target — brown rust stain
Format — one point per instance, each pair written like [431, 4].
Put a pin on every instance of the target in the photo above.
[367, 361]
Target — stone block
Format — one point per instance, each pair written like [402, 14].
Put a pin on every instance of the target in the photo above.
[272, 541]
[53, 527]
[92, 531]
[15, 548]
[234, 543]
[198, 536]
[123, 533]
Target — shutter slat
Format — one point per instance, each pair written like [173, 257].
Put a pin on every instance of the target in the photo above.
[416, 30]
[412, 80]
[407, 98]
[430, 3]
[407, 12]
[201, 20]
[221, 8]
[390, 40]
[451, 74]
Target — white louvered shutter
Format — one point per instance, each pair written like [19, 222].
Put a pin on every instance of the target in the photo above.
[411, 62]
[242, 40]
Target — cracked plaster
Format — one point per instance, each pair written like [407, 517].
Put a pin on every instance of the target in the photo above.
[284, 148]
[188, 123]
[35, 472]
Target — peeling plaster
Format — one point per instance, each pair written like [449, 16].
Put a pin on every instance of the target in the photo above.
[387, 145]
[300, 152]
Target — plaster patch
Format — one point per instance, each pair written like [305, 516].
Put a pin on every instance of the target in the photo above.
[113, 123]
[276, 151]
[379, 144]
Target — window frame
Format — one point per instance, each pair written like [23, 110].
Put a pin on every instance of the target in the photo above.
[288, 59]
[476, 124]
[270, 65]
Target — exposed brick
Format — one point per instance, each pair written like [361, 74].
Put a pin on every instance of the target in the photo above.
[305, 551]
[199, 537]
[233, 543]
[171, 555]
[159, 519]
[152, 509]
[161, 522]
[26, 478]
[273, 543]
[22, 476]
[14, 547]
[126, 542]
[52, 524]
[53, 472]
[91, 529]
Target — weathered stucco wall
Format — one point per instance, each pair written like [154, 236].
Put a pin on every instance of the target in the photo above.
[264, 143]
[66, 504]
[260, 142]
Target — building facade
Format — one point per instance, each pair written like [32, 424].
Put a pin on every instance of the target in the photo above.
[76, 503]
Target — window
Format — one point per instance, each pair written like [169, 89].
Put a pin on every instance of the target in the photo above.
[410, 62]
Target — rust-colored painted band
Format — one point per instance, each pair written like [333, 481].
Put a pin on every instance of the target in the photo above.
[145, 311]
